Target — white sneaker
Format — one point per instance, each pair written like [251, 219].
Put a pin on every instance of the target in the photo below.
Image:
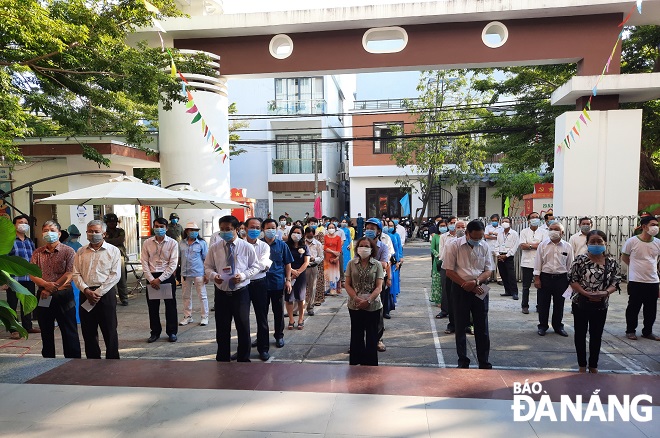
[205, 321]
[186, 320]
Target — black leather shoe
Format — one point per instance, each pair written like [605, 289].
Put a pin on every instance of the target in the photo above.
[505, 295]
[172, 338]
[562, 332]
[541, 332]
[279, 343]
[466, 366]
[485, 366]
[153, 338]
[515, 297]
[124, 303]
[234, 356]
[254, 343]
[264, 356]
[386, 316]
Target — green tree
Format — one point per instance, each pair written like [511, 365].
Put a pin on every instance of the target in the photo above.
[432, 149]
[66, 69]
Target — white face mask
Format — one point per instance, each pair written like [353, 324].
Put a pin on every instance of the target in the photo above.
[364, 252]
[653, 231]
[296, 237]
[309, 239]
[506, 225]
[283, 223]
[23, 228]
[331, 231]
[554, 234]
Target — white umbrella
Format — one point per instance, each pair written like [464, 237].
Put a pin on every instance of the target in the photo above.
[122, 190]
[201, 200]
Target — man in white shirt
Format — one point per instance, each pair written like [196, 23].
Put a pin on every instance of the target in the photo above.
[445, 303]
[552, 264]
[492, 230]
[160, 256]
[530, 238]
[548, 219]
[400, 229]
[312, 272]
[507, 246]
[283, 229]
[579, 240]
[641, 254]
[96, 272]
[469, 264]
[230, 264]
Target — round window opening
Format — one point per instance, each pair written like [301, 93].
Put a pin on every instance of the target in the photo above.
[494, 35]
[385, 40]
[281, 46]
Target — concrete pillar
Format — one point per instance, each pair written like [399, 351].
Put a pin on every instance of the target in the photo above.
[187, 156]
[599, 174]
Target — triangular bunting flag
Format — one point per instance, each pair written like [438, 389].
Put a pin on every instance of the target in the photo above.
[208, 136]
[190, 104]
[577, 124]
[639, 6]
[196, 118]
[192, 110]
[594, 91]
[185, 81]
[206, 130]
[586, 114]
[575, 129]
[190, 96]
[572, 136]
[224, 157]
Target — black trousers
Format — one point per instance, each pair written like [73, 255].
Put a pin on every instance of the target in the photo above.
[103, 316]
[232, 305]
[63, 310]
[171, 324]
[276, 298]
[447, 290]
[364, 337]
[122, 290]
[592, 320]
[527, 280]
[385, 298]
[259, 298]
[508, 274]
[444, 300]
[553, 287]
[641, 294]
[12, 300]
[467, 304]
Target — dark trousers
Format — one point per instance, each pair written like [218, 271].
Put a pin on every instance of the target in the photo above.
[232, 305]
[364, 337]
[447, 289]
[527, 280]
[444, 299]
[467, 304]
[508, 274]
[171, 324]
[385, 298]
[63, 310]
[276, 298]
[592, 320]
[641, 294]
[12, 300]
[122, 290]
[553, 287]
[259, 297]
[103, 316]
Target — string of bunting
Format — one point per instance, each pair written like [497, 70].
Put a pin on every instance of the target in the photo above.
[581, 121]
[191, 107]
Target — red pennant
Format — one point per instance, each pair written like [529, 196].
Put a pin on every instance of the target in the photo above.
[192, 110]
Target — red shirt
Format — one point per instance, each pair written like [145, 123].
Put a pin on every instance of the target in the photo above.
[54, 264]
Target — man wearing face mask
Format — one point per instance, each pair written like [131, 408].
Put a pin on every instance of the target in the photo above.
[400, 229]
[469, 263]
[192, 253]
[493, 229]
[641, 254]
[24, 248]
[552, 264]
[507, 245]
[530, 238]
[96, 271]
[117, 236]
[57, 302]
[445, 300]
[579, 240]
[73, 239]
[160, 257]
[548, 219]
[359, 231]
[175, 231]
[283, 229]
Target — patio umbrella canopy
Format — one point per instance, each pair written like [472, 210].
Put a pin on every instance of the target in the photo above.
[203, 200]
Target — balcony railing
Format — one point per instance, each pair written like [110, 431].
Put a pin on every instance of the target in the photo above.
[382, 104]
[290, 107]
[289, 166]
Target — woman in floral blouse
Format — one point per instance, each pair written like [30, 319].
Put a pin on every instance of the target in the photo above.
[594, 277]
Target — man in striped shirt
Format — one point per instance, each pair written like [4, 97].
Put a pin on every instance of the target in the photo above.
[23, 247]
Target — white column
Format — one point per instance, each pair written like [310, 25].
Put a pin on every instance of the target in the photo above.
[187, 156]
[474, 201]
[599, 174]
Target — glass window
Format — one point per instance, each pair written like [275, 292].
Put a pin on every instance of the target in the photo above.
[384, 143]
[462, 201]
[296, 155]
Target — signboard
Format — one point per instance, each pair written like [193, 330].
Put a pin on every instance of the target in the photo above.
[145, 221]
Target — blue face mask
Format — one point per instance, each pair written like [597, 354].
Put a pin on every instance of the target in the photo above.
[473, 242]
[596, 249]
[270, 233]
[174, 221]
[386, 229]
[160, 231]
[551, 221]
[370, 234]
[451, 227]
[51, 236]
[326, 224]
[227, 236]
[193, 234]
[442, 230]
[313, 227]
[396, 222]
[495, 223]
[535, 222]
[253, 234]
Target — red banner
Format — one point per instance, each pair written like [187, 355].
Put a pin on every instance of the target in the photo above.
[145, 221]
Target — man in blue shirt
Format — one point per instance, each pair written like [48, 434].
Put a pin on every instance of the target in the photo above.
[278, 277]
[23, 247]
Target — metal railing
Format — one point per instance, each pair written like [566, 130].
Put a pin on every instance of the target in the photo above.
[382, 104]
[288, 166]
[289, 107]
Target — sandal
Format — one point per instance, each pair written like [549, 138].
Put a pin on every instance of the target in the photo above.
[301, 325]
[291, 325]
[631, 336]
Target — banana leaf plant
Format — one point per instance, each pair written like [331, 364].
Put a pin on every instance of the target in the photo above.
[17, 266]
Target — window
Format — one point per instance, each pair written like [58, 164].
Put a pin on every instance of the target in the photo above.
[462, 201]
[299, 96]
[384, 201]
[384, 143]
[296, 157]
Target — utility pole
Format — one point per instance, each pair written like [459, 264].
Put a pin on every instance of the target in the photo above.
[316, 174]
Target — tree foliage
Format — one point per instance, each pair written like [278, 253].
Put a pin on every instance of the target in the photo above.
[66, 69]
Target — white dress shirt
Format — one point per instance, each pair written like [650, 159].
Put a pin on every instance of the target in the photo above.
[527, 237]
[245, 262]
[401, 231]
[553, 258]
[159, 257]
[507, 243]
[468, 262]
[315, 251]
[97, 268]
[445, 239]
[579, 243]
[643, 267]
[214, 238]
[262, 249]
[387, 240]
[492, 243]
